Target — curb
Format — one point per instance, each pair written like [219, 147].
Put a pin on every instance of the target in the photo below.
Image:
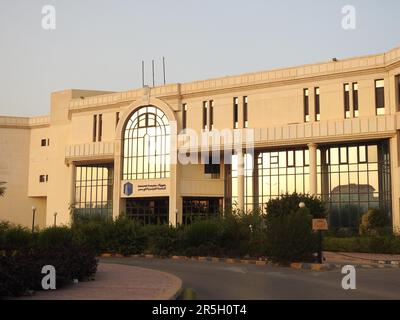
[264, 262]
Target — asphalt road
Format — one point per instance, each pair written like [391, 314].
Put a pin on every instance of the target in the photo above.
[221, 281]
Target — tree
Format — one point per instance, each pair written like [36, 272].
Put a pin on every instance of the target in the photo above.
[2, 189]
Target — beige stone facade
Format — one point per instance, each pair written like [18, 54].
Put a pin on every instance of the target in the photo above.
[41, 156]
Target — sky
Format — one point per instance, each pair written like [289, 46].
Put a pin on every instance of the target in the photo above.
[99, 44]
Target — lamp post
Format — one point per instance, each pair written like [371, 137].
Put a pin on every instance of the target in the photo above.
[176, 218]
[55, 219]
[33, 218]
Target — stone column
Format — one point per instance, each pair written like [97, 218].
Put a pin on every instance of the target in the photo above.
[312, 147]
[240, 158]
[72, 200]
[117, 208]
[395, 177]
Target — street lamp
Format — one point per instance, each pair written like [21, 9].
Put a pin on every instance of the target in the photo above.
[33, 218]
[302, 205]
[55, 219]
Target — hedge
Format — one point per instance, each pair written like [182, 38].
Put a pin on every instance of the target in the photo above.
[365, 244]
[23, 255]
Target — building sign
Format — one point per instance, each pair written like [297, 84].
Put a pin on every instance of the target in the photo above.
[145, 188]
[152, 187]
[320, 224]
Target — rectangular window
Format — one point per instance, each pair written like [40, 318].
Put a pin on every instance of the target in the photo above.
[184, 114]
[290, 158]
[43, 178]
[355, 100]
[94, 190]
[380, 97]
[346, 101]
[205, 106]
[211, 104]
[317, 105]
[362, 154]
[100, 127]
[235, 113]
[306, 106]
[343, 155]
[212, 167]
[116, 119]
[245, 112]
[397, 83]
[94, 127]
[45, 142]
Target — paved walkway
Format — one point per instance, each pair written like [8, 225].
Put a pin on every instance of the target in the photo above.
[119, 282]
[361, 258]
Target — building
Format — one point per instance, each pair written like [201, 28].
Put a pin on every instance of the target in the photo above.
[331, 129]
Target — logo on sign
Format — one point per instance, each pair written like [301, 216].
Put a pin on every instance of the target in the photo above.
[128, 188]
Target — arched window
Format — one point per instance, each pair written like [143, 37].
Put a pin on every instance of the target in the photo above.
[146, 145]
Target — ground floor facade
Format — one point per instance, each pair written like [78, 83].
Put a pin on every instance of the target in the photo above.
[349, 177]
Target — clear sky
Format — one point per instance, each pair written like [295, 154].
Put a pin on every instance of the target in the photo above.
[99, 44]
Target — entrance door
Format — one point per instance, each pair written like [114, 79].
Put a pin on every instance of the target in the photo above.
[148, 210]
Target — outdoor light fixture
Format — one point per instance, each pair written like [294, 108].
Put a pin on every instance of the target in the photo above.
[55, 219]
[33, 218]
[302, 205]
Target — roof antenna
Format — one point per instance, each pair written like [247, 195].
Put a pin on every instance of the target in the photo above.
[143, 73]
[152, 70]
[163, 63]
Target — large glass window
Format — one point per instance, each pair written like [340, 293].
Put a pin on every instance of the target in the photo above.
[200, 208]
[146, 145]
[148, 210]
[94, 190]
[352, 179]
[279, 172]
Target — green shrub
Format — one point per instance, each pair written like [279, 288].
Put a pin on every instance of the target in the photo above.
[54, 237]
[290, 238]
[24, 254]
[374, 222]
[163, 240]
[15, 238]
[366, 244]
[289, 203]
[126, 237]
[93, 234]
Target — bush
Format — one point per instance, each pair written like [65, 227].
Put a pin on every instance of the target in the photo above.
[54, 238]
[290, 237]
[163, 240]
[289, 203]
[126, 237]
[374, 222]
[366, 244]
[92, 234]
[203, 237]
[14, 238]
[24, 254]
